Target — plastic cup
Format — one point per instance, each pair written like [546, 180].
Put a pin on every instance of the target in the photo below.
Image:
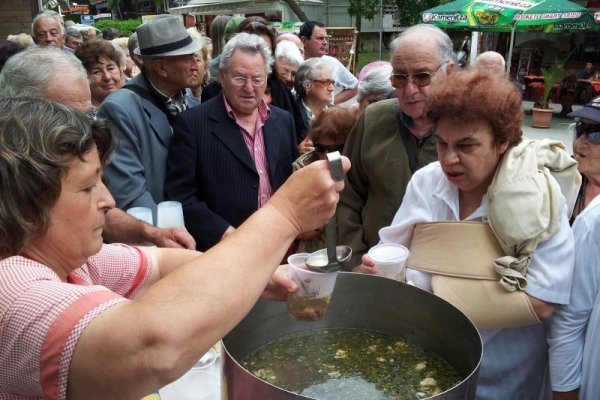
[209, 362]
[169, 214]
[390, 260]
[197, 385]
[311, 300]
[141, 213]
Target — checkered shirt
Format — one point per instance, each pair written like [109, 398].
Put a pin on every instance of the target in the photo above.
[42, 317]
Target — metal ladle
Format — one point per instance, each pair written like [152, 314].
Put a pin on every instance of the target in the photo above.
[331, 258]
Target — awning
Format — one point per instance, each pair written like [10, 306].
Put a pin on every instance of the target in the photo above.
[233, 6]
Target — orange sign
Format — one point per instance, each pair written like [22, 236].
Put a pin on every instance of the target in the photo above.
[83, 9]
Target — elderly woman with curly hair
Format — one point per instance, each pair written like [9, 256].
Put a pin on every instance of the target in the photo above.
[102, 61]
[80, 319]
[488, 229]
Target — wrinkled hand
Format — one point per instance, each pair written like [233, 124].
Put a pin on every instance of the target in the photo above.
[367, 266]
[176, 237]
[306, 145]
[279, 285]
[310, 195]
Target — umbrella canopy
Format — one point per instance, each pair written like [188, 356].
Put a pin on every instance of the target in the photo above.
[545, 16]
[507, 15]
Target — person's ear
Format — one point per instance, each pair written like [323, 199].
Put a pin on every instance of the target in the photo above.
[159, 65]
[502, 147]
[450, 67]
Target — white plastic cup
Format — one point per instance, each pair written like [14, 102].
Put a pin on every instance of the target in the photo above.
[141, 213]
[169, 214]
[390, 260]
[198, 385]
[311, 300]
[209, 362]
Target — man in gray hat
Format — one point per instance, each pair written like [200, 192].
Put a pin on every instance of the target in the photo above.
[142, 112]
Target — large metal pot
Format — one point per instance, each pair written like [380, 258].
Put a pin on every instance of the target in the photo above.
[359, 301]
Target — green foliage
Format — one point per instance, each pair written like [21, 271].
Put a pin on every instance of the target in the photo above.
[409, 10]
[552, 75]
[366, 8]
[407, 14]
[125, 27]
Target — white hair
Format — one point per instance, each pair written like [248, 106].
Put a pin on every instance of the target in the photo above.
[30, 72]
[247, 43]
[289, 52]
[376, 83]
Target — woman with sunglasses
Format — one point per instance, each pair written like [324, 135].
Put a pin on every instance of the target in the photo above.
[586, 149]
[314, 88]
[575, 332]
[328, 133]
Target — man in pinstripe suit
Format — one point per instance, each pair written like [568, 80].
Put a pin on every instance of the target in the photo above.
[231, 153]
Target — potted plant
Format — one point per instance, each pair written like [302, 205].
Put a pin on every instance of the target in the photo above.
[541, 113]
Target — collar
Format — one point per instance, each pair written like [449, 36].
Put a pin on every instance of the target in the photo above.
[263, 109]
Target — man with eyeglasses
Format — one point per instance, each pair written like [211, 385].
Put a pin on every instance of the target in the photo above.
[316, 45]
[391, 140]
[574, 340]
[231, 153]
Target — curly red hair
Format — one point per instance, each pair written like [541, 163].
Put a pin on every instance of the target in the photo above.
[334, 124]
[472, 94]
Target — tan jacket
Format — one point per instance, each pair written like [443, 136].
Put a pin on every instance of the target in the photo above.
[525, 202]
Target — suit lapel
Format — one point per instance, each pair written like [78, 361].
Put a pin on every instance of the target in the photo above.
[160, 125]
[228, 132]
[272, 142]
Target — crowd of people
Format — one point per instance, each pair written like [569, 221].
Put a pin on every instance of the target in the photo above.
[236, 127]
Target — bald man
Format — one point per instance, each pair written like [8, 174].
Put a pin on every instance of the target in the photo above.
[490, 61]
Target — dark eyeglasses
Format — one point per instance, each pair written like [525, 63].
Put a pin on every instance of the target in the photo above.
[320, 148]
[325, 82]
[420, 79]
[591, 131]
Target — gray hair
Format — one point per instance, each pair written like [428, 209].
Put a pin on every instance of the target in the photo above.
[39, 139]
[48, 14]
[376, 83]
[289, 52]
[73, 32]
[442, 40]
[247, 43]
[491, 57]
[29, 73]
[309, 70]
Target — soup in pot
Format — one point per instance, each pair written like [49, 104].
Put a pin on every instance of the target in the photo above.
[347, 364]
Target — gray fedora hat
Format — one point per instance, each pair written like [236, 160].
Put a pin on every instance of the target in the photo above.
[164, 37]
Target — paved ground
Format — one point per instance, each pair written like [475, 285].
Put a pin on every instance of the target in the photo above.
[558, 130]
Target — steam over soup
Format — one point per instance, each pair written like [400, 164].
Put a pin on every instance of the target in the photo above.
[351, 364]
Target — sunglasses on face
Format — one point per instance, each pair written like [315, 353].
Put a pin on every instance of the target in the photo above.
[420, 79]
[320, 148]
[591, 131]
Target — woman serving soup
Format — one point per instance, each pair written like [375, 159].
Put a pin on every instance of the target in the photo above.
[84, 320]
[487, 226]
